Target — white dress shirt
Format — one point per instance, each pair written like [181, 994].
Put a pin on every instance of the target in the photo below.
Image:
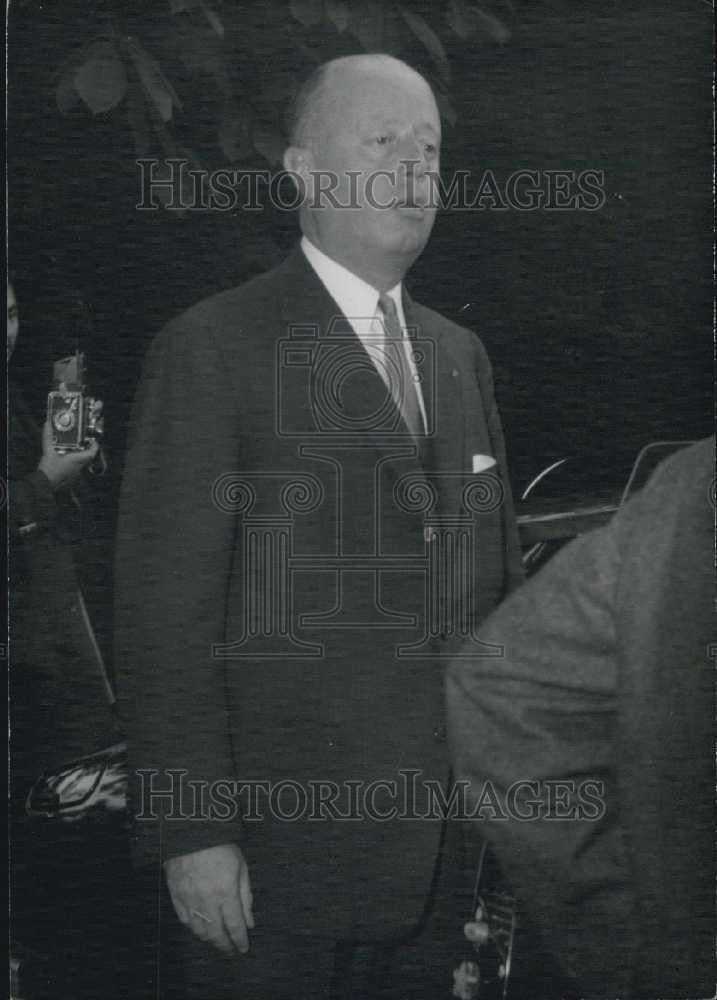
[358, 301]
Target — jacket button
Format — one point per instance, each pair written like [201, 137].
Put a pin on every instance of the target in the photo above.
[440, 734]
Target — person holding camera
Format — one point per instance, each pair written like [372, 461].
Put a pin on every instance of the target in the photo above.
[68, 708]
[61, 710]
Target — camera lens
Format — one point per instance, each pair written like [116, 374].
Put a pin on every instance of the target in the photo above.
[64, 420]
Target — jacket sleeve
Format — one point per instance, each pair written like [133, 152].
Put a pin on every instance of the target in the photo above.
[175, 547]
[546, 712]
[514, 572]
[32, 505]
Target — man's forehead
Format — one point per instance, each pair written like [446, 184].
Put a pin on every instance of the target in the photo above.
[379, 90]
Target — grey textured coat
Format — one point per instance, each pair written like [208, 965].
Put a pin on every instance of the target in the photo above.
[608, 675]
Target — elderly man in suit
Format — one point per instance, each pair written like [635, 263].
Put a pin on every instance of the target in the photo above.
[600, 717]
[300, 480]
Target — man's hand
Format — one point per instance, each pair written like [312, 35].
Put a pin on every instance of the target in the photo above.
[63, 470]
[211, 893]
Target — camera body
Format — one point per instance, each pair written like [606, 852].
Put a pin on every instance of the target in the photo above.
[70, 408]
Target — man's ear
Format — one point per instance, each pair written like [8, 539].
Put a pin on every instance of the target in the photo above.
[299, 162]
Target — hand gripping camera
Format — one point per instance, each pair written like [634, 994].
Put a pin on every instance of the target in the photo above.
[70, 408]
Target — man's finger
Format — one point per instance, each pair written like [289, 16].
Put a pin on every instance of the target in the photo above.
[203, 921]
[211, 929]
[235, 924]
[246, 896]
[180, 909]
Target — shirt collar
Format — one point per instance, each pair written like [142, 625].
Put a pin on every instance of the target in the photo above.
[357, 299]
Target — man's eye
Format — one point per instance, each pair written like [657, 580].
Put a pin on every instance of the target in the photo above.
[430, 148]
[382, 140]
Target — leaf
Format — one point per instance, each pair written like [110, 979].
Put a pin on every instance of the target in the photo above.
[201, 51]
[339, 14]
[268, 142]
[465, 21]
[458, 20]
[306, 12]
[66, 93]
[166, 139]
[157, 86]
[494, 27]
[101, 80]
[153, 79]
[425, 34]
[214, 20]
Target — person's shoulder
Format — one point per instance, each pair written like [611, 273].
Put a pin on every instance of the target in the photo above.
[685, 479]
[434, 324]
[222, 327]
[692, 464]
[222, 310]
[672, 513]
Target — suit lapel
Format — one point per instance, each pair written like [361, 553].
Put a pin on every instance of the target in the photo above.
[444, 457]
[362, 400]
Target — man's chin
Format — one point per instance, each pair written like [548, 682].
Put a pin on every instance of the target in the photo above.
[406, 234]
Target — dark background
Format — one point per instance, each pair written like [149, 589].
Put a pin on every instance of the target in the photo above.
[598, 323]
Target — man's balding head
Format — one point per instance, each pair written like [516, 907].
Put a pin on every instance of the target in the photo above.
[319, 98]
[365, 139]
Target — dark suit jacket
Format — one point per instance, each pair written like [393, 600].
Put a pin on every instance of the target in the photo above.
[247, 393]
[608, 674]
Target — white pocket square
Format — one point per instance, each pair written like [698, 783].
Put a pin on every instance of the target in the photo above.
[481, 463]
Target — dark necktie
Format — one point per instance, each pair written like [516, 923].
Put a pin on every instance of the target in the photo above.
[403, 387]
